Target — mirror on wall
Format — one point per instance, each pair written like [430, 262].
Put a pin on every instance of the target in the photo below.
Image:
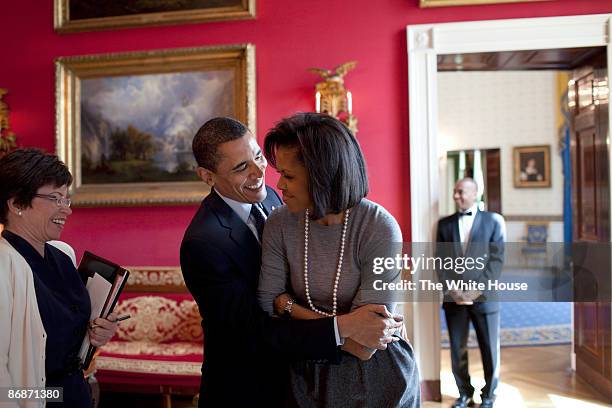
[483, 165]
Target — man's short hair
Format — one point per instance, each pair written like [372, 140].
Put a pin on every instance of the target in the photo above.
[337, 177]
[469, 180]
[213, 133]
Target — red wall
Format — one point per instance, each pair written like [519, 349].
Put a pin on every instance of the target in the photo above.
[290, 36]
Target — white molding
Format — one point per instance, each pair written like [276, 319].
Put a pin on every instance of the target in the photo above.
[425, 43]
[516, 34]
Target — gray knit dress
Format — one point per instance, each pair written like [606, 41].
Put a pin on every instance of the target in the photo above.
[390, 378]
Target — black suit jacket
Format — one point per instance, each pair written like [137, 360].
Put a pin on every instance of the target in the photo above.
[486, 242]
[244, 348]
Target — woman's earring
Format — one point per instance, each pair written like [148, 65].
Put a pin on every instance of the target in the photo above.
[19, 213]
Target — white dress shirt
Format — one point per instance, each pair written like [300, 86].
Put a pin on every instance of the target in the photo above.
[465, 226]
[243, 210]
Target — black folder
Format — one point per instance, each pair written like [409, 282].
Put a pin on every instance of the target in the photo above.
[116, 276]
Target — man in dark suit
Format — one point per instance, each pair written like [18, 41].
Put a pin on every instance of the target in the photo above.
[245, 349]
[478, 235]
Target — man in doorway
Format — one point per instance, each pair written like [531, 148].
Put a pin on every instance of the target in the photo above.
[245, 349]
[471, 233]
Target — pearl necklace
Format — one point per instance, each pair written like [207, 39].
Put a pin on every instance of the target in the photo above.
[338, 268]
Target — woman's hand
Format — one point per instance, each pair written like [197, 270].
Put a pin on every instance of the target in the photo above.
[280, 302]
[103, 331]
[370, 325]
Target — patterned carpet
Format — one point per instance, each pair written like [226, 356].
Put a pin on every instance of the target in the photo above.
[528, 324]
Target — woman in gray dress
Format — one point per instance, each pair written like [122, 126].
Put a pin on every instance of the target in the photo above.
[319, 252]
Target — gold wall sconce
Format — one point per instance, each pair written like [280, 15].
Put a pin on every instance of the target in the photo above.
[7, 138]
[332, 97]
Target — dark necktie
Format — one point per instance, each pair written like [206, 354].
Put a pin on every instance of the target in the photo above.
[258, 219]
[461, 214]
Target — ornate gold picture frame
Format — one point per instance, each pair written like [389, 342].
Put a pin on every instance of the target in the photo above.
[532, 166]
[90, 15]
[445, 3]
[125, 122]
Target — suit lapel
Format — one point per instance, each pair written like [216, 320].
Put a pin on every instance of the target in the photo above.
[268, 207]
[474, 231]
[271, 202]
[456, 236]
[246, 250]
[238, 230]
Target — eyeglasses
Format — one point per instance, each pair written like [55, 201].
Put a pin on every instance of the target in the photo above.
[60, 201]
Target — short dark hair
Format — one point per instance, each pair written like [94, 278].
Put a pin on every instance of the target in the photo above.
[213, 133]
[331, 154]
[23, 172]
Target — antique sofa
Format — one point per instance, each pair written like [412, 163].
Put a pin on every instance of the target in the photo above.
[159, 349]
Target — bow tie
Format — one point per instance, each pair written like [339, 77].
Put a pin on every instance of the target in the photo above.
[461, 214]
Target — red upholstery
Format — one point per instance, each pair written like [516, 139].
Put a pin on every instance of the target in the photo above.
[158, 349]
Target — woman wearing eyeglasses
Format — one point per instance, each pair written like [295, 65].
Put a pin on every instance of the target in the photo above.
[44, 306]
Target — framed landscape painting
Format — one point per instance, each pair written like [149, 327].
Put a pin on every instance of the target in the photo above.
[445, 3]
[87, 15]
[125, 122]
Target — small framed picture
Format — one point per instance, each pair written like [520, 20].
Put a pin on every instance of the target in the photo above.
[532, 166]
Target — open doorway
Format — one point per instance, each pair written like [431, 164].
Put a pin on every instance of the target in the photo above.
[425, 44]
[504, 120]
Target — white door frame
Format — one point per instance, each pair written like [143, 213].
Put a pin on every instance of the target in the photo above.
[425, 43]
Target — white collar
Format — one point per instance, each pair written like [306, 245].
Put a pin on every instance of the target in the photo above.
[243, 210]
[473, 209]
